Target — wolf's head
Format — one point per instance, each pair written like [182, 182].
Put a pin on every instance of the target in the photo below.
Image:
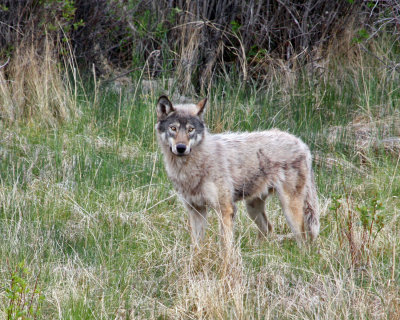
[181, 127]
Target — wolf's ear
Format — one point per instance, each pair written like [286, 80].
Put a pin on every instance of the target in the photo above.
[201, 106]
[164, 107]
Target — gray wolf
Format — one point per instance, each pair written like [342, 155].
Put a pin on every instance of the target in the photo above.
[216, 170]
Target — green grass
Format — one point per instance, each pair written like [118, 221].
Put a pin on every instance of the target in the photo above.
[88, 207]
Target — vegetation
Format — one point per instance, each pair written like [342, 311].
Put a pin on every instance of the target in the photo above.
[90, 227]
[195, 40]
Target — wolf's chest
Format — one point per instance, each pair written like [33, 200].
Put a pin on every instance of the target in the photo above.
[197, 187]
[186, 181]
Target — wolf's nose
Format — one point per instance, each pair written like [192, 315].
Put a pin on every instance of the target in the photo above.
[181, 148]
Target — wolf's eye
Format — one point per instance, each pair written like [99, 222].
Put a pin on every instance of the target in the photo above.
[191, 130]
[173, 128]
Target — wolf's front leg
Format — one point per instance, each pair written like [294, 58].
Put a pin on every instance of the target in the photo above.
[228, 210]
[198, 222]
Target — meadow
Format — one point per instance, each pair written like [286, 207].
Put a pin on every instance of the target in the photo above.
[91, 228]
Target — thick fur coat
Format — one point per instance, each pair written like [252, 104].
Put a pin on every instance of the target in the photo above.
[217, 170]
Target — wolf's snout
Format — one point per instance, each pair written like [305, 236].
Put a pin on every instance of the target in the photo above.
[181, 148]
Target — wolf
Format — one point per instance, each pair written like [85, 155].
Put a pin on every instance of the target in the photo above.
[216, 170]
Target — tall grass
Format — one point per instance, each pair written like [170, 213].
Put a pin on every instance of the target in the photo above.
[35, 87]
[87, 205]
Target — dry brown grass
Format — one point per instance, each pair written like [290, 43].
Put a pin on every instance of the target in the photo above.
[36, 88]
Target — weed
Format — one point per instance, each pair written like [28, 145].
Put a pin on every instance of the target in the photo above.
[371, 219]
[24, 300]
[372, 222]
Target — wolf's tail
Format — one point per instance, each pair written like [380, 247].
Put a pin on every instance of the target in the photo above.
[311, 210]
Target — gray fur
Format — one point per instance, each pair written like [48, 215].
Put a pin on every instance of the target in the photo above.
[219, 169]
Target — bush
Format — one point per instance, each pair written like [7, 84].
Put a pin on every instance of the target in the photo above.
[195, 39]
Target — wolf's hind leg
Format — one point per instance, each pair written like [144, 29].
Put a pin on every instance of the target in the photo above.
[198, 222]
[256, 209]
[292, 206]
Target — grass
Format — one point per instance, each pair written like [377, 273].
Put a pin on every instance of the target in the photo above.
[88, 209]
